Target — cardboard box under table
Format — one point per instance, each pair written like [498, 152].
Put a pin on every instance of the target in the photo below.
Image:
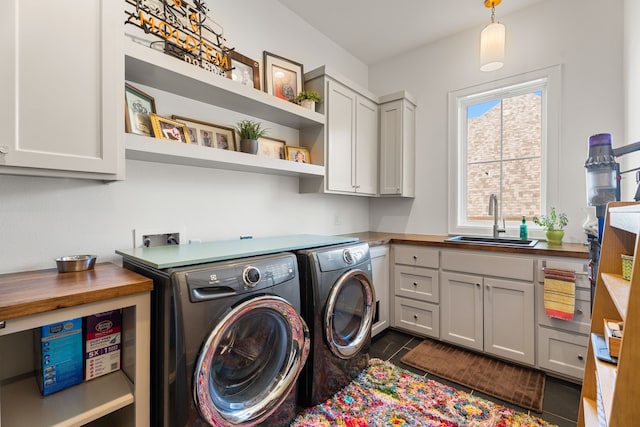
[103, 343]
[59, 355]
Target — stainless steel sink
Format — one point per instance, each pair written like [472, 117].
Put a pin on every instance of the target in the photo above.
[493, 241]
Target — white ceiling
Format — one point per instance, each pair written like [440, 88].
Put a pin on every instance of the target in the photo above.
[374, 30]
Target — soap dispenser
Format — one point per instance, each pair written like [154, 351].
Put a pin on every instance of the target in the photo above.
[523, 229]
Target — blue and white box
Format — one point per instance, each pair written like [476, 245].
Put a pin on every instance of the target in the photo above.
[59, 361]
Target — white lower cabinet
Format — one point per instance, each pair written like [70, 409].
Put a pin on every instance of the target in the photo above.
[562, 344]
[416, 288]
[562, 352]
[380, 275]
[417, 316]
[485, 313]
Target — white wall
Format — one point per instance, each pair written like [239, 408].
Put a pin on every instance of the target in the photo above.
[582, 35]
[632, 95]
[43, 218]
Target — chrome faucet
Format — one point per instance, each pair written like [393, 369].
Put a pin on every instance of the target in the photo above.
[493, 210]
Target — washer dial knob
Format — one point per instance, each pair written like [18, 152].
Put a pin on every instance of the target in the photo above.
[347, 257]
[250, 276]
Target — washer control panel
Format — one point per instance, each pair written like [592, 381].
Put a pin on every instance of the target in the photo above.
[235, 277]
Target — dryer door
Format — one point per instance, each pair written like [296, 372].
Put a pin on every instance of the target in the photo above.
[349, 314]
[250, 362]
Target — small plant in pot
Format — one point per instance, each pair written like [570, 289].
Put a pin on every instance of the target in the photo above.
[250, 132]
[308, 99]
[553, 225]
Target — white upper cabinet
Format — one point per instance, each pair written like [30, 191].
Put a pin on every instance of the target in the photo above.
[349, 142]
[59, 109]
[397, 145]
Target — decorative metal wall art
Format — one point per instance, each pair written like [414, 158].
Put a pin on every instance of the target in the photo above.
[185, 29]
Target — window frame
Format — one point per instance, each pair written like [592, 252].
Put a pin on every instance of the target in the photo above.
[549, 81]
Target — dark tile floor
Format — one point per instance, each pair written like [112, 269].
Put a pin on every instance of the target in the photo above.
[561, 398]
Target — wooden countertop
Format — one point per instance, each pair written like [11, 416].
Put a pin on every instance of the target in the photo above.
[32, 292]
[571, 250]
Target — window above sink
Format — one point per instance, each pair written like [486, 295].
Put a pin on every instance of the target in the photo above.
[503, 140]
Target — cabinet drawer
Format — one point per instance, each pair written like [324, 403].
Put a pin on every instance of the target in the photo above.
[582, 280]
[581, 317]
[417, 316]
[418, 256]
[510, 267]
[417, 282]
[562, 352]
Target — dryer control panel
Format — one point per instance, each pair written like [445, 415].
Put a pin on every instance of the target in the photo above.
[341, 257]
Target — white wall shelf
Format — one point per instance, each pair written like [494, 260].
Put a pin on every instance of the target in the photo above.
[153, 68]
[162, 151]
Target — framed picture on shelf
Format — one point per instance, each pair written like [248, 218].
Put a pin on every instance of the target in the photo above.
[168, 129]
[282, 77]
[138, 106]
[244, 70]
[209, 134]
[297, 154]
[271, 147]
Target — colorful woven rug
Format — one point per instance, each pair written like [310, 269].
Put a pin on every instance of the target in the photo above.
[385, 395]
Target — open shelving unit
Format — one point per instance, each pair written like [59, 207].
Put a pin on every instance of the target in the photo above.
[610, 392]
[29, 300]
[155, 69]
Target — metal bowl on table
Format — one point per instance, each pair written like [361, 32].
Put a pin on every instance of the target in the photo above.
[75, 263]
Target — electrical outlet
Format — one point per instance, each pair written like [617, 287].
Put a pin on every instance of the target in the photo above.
[159, 237]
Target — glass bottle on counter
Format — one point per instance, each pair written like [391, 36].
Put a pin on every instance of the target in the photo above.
[523, 229]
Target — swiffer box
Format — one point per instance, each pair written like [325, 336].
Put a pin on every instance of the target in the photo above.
[59, 361]
[103, 343]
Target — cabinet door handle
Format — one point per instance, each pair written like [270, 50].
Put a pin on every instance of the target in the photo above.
[415, 317]
[478, 284]
[4, 149]
[415, 258]
[2, 324]
[580, 357]
[415, 284]
[578, 311]
[487, 286]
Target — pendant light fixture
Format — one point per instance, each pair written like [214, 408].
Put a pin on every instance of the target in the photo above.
[492, 40]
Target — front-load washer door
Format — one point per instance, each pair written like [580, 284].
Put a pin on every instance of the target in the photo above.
[250, 362]
[349, 313]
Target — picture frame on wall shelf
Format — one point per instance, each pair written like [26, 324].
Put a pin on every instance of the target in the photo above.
[208, 134]
[168, 129]
[271, 147]
[297, 154]
[282, 77]
[244, 70]
[138, 107]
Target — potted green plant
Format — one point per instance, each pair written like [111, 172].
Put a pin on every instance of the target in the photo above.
[250, 132]
[308, 99]
[553, 225]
